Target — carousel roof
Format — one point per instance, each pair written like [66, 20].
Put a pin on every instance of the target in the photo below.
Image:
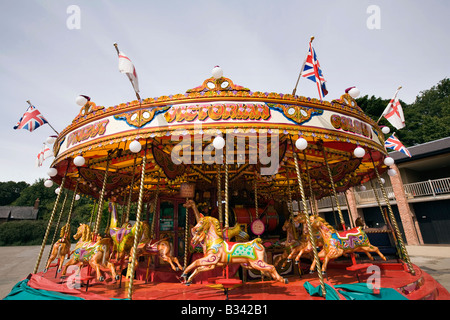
[177, 133]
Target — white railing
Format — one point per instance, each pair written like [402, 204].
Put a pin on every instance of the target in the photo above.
[412, 190]
[428, 188]
[328, 202]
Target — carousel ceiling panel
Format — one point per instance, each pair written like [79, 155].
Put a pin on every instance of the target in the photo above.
[176, 131]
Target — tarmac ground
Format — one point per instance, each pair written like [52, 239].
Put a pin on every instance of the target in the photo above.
[17, 262]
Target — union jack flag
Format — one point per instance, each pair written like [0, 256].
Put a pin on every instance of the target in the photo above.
[313, 72]
[393, 143]
[31, 119]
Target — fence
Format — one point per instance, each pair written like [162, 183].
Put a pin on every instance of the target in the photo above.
[412, 190]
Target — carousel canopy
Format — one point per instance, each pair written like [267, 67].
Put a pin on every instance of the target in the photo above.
[187, 137]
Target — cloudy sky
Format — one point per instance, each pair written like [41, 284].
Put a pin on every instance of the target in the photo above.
[260, 44]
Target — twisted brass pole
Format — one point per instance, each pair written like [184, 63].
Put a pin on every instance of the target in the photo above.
[341, 217]
[57, 225]
[138, 222]
[38, 261]
[308, 223]
[256, 198]
[131, 192]
[394, 221]
[219, 195]
[311, 193]
[226, 193]
[100, 200]
[92, 213]
[69, 216]
[155, 204]
[186, 239]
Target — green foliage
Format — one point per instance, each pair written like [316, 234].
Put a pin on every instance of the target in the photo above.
[15, 233]
[10, 191]
[426, 119]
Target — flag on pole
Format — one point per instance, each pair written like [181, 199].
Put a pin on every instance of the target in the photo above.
[31, 119]
[394, 113]
[127, 67]
[311, 70]
[45, 153]
[393, 143]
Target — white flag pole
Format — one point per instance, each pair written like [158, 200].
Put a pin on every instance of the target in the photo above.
[301, 69]
[28, 101]
[137, 94]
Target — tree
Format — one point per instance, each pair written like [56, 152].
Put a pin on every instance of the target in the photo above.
[426, 119]
[10, 191]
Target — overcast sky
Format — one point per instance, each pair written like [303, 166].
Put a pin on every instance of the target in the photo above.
[174, 45]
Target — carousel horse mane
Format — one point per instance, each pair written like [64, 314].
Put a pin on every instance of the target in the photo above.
[207, 221]
[86, 232]
[64, 229]
[324, 222]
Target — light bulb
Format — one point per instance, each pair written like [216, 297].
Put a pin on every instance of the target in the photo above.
[359, 152]
[135, 146]
[301, 143]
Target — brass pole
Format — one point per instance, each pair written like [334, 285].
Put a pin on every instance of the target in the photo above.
[92, 213]
[308, 222]
[311, 193]
[394, 221]
[155, 204]
[138, 222]
[226, 193]
[69, 217]
[341, 217]
[186, 239]
[50, 221]
[131, 192]
[57, 225]
[100, 200]
[256, 197]
[219, 195]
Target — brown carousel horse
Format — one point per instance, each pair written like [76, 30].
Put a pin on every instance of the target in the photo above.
[237, 231]
[289, 245]
[95, 253]
[61, 248]
[123, 238]
[304, 246]
[338, 243]
[218, 252]
[161, 248]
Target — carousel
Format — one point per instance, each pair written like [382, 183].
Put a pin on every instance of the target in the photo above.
[223, 182]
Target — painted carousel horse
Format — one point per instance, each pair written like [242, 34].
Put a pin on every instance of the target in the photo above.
[123, 236]
[61, 248]
[218, 252]
[338, 243]
[238, 232]
[289, 245]
[95, 253]
[161, 248]
[304, 246]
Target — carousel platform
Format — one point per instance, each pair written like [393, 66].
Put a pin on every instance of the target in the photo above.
[395, 284]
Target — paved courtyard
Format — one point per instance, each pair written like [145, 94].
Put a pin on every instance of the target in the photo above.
[17, 262]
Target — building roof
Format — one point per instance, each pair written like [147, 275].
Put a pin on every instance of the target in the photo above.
[18, 213]
[423, 150]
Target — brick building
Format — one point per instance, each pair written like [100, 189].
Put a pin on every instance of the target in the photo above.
[419, 196]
